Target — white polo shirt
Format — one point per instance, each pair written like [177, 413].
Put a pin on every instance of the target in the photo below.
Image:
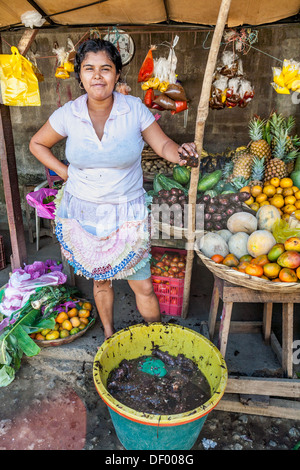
[106, 170]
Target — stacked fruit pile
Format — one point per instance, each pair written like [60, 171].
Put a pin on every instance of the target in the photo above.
[280, 264]
[68, 322]
[281, 193]
[168, 265]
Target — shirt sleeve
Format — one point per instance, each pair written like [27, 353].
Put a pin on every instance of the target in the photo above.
[58, 121]
[146, 117]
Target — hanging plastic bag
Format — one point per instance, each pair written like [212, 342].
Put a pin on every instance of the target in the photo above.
[146, 70]
[32, 58]
[43, 201]
[62, 57]
[218, 93]
[165, 102]
[246, 92]
[232, 94]
[179, 106]
[165, 68]
[176, 92]
[19, 84]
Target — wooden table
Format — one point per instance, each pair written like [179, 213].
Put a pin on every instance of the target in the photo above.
[230, 294]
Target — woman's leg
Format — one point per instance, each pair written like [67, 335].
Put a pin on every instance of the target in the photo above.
[146, 300]
[104, 299]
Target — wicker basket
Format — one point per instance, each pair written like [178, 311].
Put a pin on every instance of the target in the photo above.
[245, 280]
[176, 232]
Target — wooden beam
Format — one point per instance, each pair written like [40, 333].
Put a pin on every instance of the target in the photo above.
[289, 388]
[26, 40]
[199, 134]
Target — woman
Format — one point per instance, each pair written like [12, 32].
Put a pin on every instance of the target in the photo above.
[101, 217]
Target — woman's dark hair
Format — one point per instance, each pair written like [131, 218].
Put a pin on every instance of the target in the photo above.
[96, 45]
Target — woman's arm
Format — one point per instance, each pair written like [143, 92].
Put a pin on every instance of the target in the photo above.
[40, 146]
[166, 147]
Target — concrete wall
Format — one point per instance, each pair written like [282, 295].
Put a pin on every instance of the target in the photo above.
[224, 128]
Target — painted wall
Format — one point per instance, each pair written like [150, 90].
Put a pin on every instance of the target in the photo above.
[224, 128]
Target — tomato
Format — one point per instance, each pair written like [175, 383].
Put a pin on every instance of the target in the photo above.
[152, 270]
[167, 262]
[175, 269]
[165, 274]
[173, 264]
[160, 264]
[175, 259]
[157, 271]
[181, 274]
[157, 281]
[181, 264]
[171, 274]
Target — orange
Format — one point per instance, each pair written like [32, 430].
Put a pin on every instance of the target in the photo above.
[264, 277]
[279, 190]
[287, 192]
[285, 217]
[254, 270]
[84, 320]
[297, 194]
[67, 325]
[286, 182]
[275, 181]
[81, 326]
[289, 209]
[264, 203]
[87, 306]
[260, 260]
[72, 313]
[84, 313]
[295, 189]
[261, 198]
[269, 190]
[242, 266]
[254, 206]
[272, 270]
[217, 258]
[288, 275]
[39, 337]
[33, 335]
[277, 201]
[75, 321]
[276, 280]
[297, 204]
[52, 335]
[297, 214]
[246, 189]
[61, 317]
[298, 272]
[289, 200]
[256, 190]
[249, 201]
[231, 260]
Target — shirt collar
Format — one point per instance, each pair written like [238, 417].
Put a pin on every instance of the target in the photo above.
[120, 106]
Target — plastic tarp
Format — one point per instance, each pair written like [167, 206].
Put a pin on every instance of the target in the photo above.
[252, 12]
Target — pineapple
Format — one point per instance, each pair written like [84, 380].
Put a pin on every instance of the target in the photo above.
[257, 172]
[259, 147]
[242, 164]
[283, 160]
[227, 170]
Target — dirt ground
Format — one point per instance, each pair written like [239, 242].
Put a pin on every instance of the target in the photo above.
[53, 404]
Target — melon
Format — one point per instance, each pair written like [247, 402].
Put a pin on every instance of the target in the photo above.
[224, 234]
[242, 222]
[213, 244]
[266, 217]
[237, 244]
[260, 243]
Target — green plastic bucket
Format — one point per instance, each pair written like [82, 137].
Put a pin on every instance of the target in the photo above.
[141, 431]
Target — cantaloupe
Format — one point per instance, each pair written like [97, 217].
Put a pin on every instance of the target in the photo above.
[260, 243]
[213, 244]
[242, 222]
[237, 244]
[266, 217]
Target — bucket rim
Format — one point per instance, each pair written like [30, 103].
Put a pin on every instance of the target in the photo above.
[154, 419]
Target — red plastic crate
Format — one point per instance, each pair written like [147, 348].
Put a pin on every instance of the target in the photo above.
[168, 290]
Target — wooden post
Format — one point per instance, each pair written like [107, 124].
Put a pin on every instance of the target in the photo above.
[202, 114]
[10, 175]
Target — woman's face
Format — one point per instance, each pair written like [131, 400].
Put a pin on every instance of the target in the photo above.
[98, 75]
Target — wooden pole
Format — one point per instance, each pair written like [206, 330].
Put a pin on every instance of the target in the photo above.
[202, 114]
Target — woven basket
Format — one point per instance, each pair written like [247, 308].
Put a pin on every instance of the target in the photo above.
[177, 232]
[245, 280]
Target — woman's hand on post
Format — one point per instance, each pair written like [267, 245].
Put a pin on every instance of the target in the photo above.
[188, 155]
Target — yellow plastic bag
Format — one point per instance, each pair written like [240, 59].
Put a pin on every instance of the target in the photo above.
[282, 230]
[19, 84]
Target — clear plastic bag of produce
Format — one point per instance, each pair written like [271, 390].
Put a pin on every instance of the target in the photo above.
[282, 231]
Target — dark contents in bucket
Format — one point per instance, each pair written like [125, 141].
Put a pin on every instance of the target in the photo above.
[159, 384]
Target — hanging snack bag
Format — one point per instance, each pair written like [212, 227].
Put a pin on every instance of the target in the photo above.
[232, 94]
[147, 68]
[218, 93]
[176, 92]
[179, 106]
[62, 57]
[230, 64]
[246, 93]
[165, 102]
